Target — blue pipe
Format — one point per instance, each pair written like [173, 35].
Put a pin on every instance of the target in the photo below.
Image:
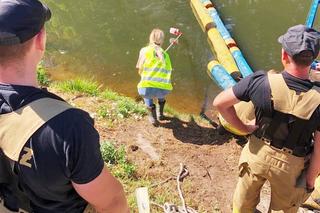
[222, 78]
[312, 13]
[241, 62]
[310, 21]
[243, 65]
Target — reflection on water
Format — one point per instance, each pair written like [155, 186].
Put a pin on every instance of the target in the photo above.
[100, 39]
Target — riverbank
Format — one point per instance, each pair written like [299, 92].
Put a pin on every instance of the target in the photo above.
[142, 155]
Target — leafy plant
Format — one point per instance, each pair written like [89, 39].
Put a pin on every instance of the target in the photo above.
[122, 108]
[111, 154]
[116, 158]
[127, 107]
[42, 75]
[110, 95]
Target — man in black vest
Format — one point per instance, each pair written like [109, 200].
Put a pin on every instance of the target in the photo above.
[285, 134]
[59, 167]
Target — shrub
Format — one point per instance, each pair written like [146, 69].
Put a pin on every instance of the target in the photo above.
[116, 158]
[42, 75]
[110, 95]
[79, 85]
[122, 108]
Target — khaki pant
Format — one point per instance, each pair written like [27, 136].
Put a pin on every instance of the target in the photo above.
[260, 162]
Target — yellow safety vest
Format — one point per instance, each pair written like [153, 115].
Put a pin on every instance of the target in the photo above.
[156, 73]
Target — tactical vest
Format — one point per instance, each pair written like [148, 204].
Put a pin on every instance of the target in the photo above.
[15, 130]
[156, 72]
[18, 126]
[292, 122]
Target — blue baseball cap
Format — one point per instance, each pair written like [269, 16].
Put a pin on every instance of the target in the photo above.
[300, 38]
[21, 20]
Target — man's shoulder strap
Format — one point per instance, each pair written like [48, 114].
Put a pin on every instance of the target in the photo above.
[285, 100]
[18, 126]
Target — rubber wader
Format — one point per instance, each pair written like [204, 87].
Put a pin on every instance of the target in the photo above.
[161, 108]
[152, 115]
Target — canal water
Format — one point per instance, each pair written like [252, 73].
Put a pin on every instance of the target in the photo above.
[100, 40]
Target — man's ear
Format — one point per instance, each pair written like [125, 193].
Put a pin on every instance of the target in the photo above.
[284, 57]
[41, 40]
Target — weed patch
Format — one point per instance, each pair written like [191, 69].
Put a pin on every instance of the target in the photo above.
[117, 161]
[79, 85]
[42, 76]
[122, 107]
[110, 95]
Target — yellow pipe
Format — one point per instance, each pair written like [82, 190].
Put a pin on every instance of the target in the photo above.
[223, 54]
[202, 15]
[245, 111]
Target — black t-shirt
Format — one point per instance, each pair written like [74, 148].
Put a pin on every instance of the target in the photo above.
[256, 88]
[65, 149]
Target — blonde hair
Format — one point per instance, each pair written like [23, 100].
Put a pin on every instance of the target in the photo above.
[156, 37]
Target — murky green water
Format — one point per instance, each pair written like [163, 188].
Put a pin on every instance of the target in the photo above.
[101, 39]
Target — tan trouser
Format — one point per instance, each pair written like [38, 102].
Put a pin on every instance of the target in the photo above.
[260, 162]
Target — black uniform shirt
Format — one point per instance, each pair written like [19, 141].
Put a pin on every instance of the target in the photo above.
[65, 149]
[256, 88]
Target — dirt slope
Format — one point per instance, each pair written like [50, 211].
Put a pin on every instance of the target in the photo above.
[157, 151]
[210, 158]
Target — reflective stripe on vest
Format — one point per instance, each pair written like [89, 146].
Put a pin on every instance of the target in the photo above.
[156, 72]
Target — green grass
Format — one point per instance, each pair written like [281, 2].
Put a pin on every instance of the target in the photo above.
[42, 76]
[110, 95]
[117, 161]
[120, 167]
[79, 85]
[127, 107]
[121, 107]
[124, 108]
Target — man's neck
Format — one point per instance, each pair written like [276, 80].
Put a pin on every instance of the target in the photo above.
[19, 75]
[302, 73]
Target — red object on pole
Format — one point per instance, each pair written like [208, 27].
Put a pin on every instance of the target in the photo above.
[175, 31]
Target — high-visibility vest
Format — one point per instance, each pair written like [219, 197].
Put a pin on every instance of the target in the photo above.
[156, 72]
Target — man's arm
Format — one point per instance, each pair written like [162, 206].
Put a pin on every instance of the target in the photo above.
[314, 167]
[224, 103]
[104, 193]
